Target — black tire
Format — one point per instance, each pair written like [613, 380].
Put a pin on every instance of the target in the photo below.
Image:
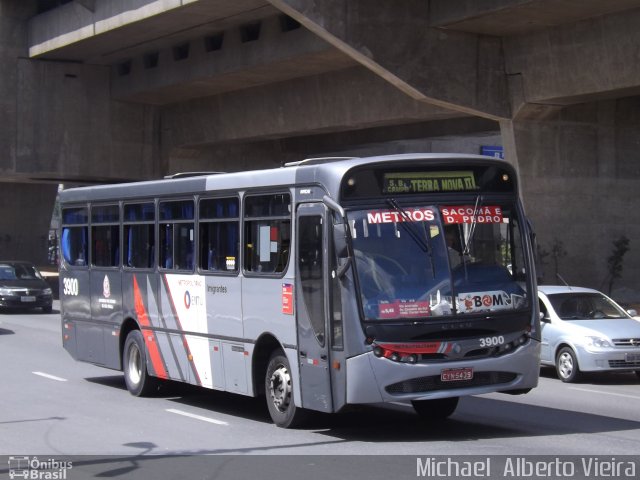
[134, 364]
[278, 386]
[567, 366]
[47, 309]
[436, 410]
[638, 373]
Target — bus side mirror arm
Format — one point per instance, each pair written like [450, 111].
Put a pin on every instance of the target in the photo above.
[340, 236]
[335, 206]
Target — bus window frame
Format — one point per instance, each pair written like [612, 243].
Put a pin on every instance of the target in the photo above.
[244, 220]
[200, 221]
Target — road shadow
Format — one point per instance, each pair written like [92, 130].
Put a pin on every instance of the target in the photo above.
[21, 312]
[477, 418]
[226, 403]
[4, 331]
[250, 408]
[113, 381]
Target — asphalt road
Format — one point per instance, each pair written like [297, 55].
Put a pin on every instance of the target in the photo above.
[52, 405]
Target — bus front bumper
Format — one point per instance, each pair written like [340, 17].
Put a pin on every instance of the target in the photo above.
[371, 379]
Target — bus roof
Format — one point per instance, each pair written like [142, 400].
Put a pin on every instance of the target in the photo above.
[328, 172]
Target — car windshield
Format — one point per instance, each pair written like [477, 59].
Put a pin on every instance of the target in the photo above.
[424, 261]
[18, 272]
[584, 306]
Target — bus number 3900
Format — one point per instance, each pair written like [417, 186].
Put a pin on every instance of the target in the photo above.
[70, 286]
[491, 341]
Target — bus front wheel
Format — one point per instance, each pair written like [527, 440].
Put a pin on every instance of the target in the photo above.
[279, 393]
[134, 362]
[436, 410]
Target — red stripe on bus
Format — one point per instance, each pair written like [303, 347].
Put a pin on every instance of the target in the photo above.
[143, 318]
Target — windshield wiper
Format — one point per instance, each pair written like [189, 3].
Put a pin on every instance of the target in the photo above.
[410, 228]
[474, 222]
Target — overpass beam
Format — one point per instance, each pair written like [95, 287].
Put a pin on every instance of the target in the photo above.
[455, 70]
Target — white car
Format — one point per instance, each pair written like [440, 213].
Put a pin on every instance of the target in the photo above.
[583, 330]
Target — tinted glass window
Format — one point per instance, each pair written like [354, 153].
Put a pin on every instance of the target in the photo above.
[182, 210]
[139, 235]
[267, 233]
[139, 212]
[177, 246]
[139, 246]
[310, 267]
[105, 245]
[74, 245]
[74, 216]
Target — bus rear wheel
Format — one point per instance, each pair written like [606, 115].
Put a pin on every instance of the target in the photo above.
[134, 362]
[279, 393]
[436, 410]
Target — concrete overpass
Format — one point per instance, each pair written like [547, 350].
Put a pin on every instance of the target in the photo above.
[105, 90]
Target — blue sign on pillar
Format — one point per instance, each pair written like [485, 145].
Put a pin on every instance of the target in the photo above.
[492, 151]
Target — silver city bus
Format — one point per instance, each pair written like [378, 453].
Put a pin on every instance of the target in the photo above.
[321, 284]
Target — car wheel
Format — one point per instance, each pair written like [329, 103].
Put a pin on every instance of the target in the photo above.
[567, 365]
[435, 410]
[638, 373]
[47, 309]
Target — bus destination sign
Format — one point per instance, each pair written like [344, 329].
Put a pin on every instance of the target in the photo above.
[428, 182]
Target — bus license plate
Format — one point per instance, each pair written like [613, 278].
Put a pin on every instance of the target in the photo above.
[28, 299]
[456, 374]
[632, 357]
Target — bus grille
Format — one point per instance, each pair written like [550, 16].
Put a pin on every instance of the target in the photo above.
[427, 384]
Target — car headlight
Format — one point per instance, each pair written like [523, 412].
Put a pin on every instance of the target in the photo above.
[7, 292]
[47, 291]
[598, 342]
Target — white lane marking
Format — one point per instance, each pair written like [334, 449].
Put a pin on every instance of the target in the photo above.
[50, 377]
[635, 397]
[197, 417]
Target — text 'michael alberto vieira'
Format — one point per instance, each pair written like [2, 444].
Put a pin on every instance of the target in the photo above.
[523, 467]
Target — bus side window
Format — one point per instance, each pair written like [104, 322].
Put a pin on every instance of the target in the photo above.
[267, 233]
[219, 234]
[139, 235]
[75, 236]
[105, 236]
[177, 240]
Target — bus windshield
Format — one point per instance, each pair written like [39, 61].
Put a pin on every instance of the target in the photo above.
[423, 261]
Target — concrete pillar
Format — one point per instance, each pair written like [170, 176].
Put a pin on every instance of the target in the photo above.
[579, 170]
[25, 210]
[13, 44]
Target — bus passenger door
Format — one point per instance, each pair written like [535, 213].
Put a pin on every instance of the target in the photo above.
[311, 312]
